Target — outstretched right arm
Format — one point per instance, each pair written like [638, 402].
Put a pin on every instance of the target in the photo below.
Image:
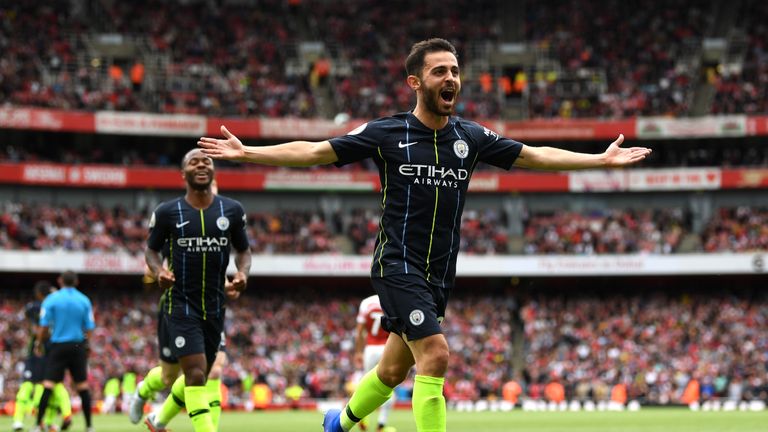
[294, 153]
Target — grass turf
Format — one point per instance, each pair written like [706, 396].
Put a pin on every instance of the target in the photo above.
[646, 420]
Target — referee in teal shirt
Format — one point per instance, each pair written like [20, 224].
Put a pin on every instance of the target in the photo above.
[66, 320]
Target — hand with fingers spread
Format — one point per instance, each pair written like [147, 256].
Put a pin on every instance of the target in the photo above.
[230, 148]
[616, 156]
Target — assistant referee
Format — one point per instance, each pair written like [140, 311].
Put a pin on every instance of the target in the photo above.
[66, 318]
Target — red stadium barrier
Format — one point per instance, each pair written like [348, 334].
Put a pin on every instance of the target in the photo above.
[184, 125]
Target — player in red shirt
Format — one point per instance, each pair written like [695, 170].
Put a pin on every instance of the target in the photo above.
[370, 339]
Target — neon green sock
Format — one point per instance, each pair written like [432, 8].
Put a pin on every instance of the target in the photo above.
[37, 395]
[428, 403]
[152, 383]
[371, 393]
[214, 400]
[196, 398]
[173, 403]
[51, 411]
[62, 400]
[23, 401]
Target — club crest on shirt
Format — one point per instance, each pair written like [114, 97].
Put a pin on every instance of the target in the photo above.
[461, 148]
[223, 223]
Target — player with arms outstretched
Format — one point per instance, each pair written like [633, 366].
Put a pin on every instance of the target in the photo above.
[425, 159]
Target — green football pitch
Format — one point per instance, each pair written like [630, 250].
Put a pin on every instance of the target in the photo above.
[646, 420]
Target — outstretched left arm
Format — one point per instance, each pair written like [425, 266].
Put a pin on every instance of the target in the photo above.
[551, 158]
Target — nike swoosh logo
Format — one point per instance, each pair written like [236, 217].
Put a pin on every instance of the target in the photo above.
[404, 145]
[179, 225]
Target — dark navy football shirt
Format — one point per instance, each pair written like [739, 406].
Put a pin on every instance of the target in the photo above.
[199, 242]
[424, 178]
[32, 314]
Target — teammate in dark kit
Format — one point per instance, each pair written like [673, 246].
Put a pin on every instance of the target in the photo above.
[200, 228]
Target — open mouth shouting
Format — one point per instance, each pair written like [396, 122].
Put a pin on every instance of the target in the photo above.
[448, 95]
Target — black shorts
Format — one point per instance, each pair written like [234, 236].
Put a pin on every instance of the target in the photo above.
[34, 369]
[191, 335]
[164, 340]
[72, 356]
[412, 307]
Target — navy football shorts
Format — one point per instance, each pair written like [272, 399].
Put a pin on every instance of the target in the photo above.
[34, 368]
[189, 335]
[413, 307]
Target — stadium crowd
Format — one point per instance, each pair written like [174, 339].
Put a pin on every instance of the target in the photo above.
[255, 67]
[606, 231]
[741, 86]
[654, 343]
[643, 74]
[94, 228]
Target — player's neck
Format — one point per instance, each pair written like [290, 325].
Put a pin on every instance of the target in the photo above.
[430, 119]
[199, 199]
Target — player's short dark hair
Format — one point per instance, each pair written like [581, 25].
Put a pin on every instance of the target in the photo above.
[415, 61]
[188, 155]
[69, 278]
[42, 288]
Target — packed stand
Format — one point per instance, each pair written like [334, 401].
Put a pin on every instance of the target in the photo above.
[39, 67]
[643, 65]
[94, 228]
[290, 232]
[251, 68]
[239, 72]
[375, 84]
[740, 229]
[269, 338]
[606, 231]
[654, 343]
[741, 88]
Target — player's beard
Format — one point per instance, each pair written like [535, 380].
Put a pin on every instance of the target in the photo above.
[196, 185]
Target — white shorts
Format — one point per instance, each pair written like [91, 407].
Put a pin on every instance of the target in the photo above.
[371, 356]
